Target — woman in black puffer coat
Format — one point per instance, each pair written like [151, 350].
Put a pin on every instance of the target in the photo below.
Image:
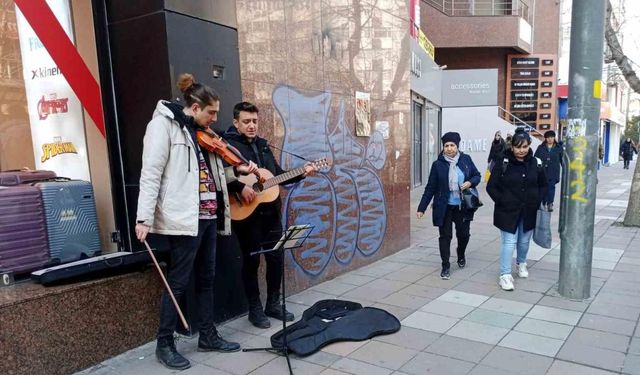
[517, 186]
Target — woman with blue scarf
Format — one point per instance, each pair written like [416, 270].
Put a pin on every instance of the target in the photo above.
[450, 174]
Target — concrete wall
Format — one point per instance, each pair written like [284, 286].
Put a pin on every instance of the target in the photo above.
[301, 63]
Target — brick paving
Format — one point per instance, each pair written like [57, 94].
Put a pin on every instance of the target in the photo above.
[465, 325]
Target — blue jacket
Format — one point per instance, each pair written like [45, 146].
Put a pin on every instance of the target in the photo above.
[438, 186]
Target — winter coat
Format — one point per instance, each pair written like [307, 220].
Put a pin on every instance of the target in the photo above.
[265, 159]
[438, 186]
[627, 149]
[169, 199]
[517, 193]
[496, 154]
[551, 160]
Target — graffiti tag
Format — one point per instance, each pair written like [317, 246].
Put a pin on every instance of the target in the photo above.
[577, 165]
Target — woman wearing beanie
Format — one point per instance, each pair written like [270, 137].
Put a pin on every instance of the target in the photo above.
[517, 186]
[451, 173]
[550, 152]
[626, 150]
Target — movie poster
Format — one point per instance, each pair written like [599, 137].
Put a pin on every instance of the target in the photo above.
[363, 114]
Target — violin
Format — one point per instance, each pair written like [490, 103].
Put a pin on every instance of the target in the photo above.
[212, 142]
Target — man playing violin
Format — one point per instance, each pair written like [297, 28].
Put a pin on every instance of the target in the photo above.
[263, 228]
[183, 194]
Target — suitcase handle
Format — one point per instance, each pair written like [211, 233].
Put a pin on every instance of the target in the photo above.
[114, 262]
[52, 179]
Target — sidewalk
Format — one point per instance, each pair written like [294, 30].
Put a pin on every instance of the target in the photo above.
[465, 325]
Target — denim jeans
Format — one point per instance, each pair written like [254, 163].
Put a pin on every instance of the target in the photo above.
[512, 241]
[191, 254]
[551, 192]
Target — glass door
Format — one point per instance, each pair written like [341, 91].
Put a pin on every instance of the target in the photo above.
[418, 149]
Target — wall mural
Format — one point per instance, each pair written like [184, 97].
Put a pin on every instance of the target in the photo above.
[346, 204]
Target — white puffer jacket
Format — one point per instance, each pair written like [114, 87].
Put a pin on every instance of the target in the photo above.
[169, 182]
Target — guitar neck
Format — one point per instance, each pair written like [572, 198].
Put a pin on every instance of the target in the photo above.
[283, 177]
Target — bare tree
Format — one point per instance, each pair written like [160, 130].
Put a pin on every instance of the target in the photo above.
[632, 217]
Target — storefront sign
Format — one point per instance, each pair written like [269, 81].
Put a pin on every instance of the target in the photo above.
[55, 113]
[469, 87]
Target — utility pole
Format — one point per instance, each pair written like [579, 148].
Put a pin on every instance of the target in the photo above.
[578, 204]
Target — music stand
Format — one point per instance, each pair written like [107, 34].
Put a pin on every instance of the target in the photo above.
[292, 238]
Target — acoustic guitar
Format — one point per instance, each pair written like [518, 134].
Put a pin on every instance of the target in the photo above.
[266, 192]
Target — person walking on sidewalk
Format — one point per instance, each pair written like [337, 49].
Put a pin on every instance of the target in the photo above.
[263, 227]
[183, 195]
[550, 152]
[626, 151]
[517, 186]
[451, 173]
[496, 153]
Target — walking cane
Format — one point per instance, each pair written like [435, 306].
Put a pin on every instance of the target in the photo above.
[166, 285]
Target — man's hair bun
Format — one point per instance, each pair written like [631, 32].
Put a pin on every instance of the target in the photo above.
[185, 82]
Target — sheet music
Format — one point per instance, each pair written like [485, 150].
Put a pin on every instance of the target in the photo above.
[296, 234]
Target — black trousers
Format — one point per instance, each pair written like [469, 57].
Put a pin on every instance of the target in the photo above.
[626, 163]
[191, 254]
[453, 215]
[261, 230]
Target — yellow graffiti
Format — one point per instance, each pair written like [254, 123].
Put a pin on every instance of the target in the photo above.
[577, 165]
[50, 150]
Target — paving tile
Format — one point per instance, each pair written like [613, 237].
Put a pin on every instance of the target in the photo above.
[634, 346]
[389, 285]
[343, 348]
[493, 318]
[614, 310]
[544, 328]
[455, 347]
[367, 293]
[553, 314]
[563, 303]
[309, 297]
[478, 332]
[462, 298]
[351, 366]
[383, 355]
[423, 291]
[474, 287]
[486, 370]
[322, 358]
[399, 312]
[599, 339]
[510, 360]
[354, 279]
[199, 369]
[331, 371]
[531, 343]
[454, 310]
[631, 365]
[333, 287]
[279, 366]
[240, 363]
[429, 322]
[427, 363]
[506, 306]
[405, 300]
[592, 356]
[564, 368]
[603, 323]
[410, 338]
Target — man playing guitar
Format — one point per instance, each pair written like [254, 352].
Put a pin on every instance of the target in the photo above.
[263, 227]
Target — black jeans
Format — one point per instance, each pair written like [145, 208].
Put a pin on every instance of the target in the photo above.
[453, 215]
[261, 230]
[190, 254]
[626, 163]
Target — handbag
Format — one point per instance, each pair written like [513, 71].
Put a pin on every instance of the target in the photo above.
[542, 231]
[487, 175]
[470, 199]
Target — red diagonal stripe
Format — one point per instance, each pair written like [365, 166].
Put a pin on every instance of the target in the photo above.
[64, 53]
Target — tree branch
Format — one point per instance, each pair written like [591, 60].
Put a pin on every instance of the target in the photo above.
[618, 56]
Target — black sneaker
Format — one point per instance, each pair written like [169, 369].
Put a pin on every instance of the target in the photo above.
[462, 262]
[445, 275]
[550, 207]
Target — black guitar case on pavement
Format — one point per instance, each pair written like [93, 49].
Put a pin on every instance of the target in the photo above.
[333, 320]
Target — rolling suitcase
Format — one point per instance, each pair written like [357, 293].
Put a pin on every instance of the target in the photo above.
[72, 223]
[100, 266]
[23, 233]
[21, 176]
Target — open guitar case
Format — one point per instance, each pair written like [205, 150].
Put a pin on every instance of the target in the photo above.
[333, 320]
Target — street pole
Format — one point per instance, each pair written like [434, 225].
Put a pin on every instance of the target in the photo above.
[579, 181]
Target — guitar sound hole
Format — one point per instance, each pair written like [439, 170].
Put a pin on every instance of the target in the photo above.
[257, 187]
